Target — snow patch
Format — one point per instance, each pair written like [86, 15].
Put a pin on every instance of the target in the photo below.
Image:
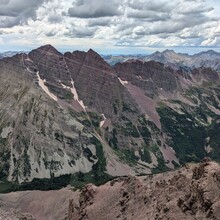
[208, 149]
[209, 119]
[122, 81]
[6, 131]
[45, 88]
[29, 70]
[28, 59]
[64, 86]
[102, 122]
[76, 97]
[75, 94]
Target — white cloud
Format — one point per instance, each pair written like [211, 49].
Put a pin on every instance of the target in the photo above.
[210, 41]
[128, 23]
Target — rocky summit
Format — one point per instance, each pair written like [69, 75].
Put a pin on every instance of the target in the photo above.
[190, 193]
[72, 118]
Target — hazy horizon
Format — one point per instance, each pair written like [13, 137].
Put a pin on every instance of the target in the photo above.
[176, 50]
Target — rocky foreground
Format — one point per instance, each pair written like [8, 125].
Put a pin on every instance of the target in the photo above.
[192, 192]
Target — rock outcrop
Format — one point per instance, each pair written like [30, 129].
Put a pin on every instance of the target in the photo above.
[191, 192]
[150, 76]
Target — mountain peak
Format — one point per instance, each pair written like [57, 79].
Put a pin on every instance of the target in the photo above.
[210, 52]
[92, 52]
[49, 49]
[168, 51]
[92, 55]
[94, 59]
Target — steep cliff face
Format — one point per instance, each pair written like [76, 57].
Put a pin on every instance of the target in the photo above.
[39, 139]
[73, 112]
[151, 76]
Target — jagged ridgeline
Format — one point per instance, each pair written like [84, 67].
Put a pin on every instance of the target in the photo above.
[74, 116]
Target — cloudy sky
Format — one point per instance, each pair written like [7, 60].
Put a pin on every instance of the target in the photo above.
[111, 26]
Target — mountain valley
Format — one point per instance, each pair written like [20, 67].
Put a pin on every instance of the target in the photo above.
[73, 113]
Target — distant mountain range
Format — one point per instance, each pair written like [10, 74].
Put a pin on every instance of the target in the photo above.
[10, 53]
[208, 58]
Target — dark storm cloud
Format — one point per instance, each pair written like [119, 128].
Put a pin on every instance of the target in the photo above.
[156, 6]
[4, 2]
[54, 18]
[176, 26]
[80, 32]
[51, 33]
[16, 12]
[163, 10]
[8, 22]
[148, 15]
[172, 21]
[99, 22]
[94, 9]
[162, 21]
[15, 8]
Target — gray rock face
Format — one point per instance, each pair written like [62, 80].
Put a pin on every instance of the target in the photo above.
[38, 137]
[65, 113]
